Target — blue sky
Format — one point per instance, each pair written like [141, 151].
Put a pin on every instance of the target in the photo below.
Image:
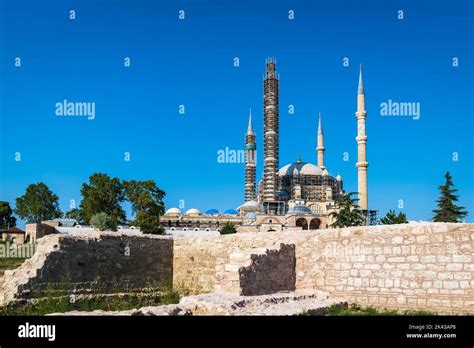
[190, 62]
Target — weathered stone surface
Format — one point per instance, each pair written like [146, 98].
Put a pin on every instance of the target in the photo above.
[93, 262]
[259, 271]
[290, 303]
[398, 266]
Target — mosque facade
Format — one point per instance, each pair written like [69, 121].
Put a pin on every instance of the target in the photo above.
[297, 196]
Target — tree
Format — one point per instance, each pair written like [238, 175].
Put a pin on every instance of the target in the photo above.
[38, 204]
[102, 195]
[6, 218]
[147, 204]
[228, 228]
[448, 211]
[392, 218]
[74, 213]
[103, 222]
[349, 213]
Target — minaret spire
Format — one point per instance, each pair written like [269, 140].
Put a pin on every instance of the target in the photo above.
[361, 83]
[250, 127]
[320, 145]
[361, 139]
[250, 162]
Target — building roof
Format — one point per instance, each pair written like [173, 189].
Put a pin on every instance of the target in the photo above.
[212, 211]
[301, 168]
[14, 230]
[299, 209]
[173, 211]
[231, 212]
[193, 211]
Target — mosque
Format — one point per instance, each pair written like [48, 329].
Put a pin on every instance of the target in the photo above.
[298, 196]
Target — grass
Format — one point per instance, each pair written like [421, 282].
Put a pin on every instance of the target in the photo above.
[356, 310]
[51, 303]
[9, 263]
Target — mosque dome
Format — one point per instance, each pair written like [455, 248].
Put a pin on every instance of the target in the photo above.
[300, 168]
[250, 206]
[193, 211]
[173, 211]
[231, 212]
[299, 209]
[212, 211]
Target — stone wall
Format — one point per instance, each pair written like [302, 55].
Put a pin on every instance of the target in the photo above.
[258, 272]
[95, 262]
[411, 266]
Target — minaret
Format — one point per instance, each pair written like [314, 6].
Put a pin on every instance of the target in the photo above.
[270, 128]
[250, 162]
[320, 147]
[361, 138]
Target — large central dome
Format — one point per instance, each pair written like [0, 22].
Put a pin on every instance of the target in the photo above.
[304, 168]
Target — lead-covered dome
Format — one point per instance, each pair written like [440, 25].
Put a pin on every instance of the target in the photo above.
[299, 209]
[173, 211]
[193, 211]
[300, 168]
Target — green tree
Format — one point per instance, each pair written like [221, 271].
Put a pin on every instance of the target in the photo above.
[228, 228]
[38, 204]
[74, 213]
[447, 210]
[103, 222]
[102, 195]
[349, 213]
[147, 204]
[393, 218]
[6, 218]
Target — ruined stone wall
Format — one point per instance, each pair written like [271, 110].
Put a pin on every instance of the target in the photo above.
[95, 262]
[426, 266]
[412, 266]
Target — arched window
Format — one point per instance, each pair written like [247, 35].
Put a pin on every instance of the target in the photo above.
[314, 224]
[302, 223]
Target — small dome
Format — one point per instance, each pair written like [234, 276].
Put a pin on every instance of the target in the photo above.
[231, 212]
[299, 209]
[251, 204]
[325, 172]
[212, 211]
[173, 211]
[339, 178]
[193, 211]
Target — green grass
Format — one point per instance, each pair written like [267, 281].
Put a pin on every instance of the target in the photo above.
[356, 310]
[113, 302]
[9, 263]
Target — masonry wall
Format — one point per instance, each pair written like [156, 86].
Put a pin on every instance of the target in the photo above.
[411, 266]
[95, 262]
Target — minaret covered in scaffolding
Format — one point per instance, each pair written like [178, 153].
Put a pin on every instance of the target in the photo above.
[250, 162]
[271, 133]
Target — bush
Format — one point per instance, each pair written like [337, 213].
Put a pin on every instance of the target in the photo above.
[228, 228]
[103, 222]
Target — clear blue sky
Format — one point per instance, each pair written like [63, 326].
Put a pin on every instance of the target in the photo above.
[190, 62]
